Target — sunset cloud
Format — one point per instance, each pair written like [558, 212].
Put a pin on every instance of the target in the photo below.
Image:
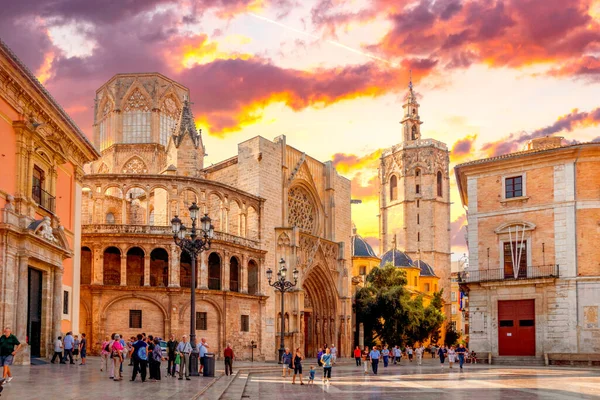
[462, 148]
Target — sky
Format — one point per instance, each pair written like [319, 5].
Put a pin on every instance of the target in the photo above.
[331, 74]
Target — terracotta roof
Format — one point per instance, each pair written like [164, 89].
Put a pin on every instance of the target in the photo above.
[522, 153]
[27, 72]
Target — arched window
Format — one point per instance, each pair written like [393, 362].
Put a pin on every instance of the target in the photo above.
[252, 277]
[214, 271]
[362, 270]
[135, 267]
[415, 278]
[112, 266]
[418, 172]
[86, 266]
[137, 118]
[110, 218]
[185, 270]
[159, 268]
[169, 115]
[393, 188]
[439, 184]
[414, 133]
[234, 274]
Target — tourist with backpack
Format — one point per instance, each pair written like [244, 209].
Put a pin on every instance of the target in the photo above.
[104, 354]
[139, 355]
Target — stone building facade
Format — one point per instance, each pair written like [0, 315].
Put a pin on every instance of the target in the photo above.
[41, 158]
[533, 223]
[414, 198]
[270, 201]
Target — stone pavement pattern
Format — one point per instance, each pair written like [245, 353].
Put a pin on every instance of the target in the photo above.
[407, 381]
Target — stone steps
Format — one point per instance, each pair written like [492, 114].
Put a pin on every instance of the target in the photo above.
[518, 361]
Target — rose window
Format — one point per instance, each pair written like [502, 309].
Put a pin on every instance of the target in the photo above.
[301, 209]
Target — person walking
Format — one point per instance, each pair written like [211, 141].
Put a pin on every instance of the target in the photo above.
[184, 348]
[104, 354]
[357, 355]
[397, 355]
[461, 354]
[68, 343]
[171, 350]
[58, 346]
[139, 356]
[297, 366]
[366, 359]
[83, 349]
[442, 354]
[319, 355]
[409, 352]
[327, 361]
[286, 360]
[333, 351]
[374, 355]
[8, 341]
[155, 360]
[116, 353]
[451, 356]
[419, 352]
[228, 354]
[385, 353]
[434, 350]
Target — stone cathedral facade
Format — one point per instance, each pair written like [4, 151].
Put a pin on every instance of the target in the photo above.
[271, 201]
[414, 200]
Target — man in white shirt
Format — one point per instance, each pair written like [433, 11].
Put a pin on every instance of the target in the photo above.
[333, 352]
[397, 355]
[184, 348]
[419, 351]
[58, 346]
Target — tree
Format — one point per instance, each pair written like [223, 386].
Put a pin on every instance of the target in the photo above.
[386, 309]
[452, 335]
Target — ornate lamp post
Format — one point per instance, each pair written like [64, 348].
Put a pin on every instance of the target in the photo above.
[199, 240]
[283, 286]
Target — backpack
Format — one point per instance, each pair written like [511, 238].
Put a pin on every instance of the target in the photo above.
[107, 347]
[142, 353]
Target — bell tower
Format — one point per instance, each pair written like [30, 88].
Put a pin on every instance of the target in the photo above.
[411, 122]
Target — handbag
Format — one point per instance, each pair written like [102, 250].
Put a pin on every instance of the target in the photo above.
[177, 359]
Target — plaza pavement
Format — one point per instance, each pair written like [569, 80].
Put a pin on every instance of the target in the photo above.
[263, 381]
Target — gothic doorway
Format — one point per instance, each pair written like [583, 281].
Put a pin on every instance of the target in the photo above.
[320, 309]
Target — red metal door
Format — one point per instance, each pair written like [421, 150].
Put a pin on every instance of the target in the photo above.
[516, 328]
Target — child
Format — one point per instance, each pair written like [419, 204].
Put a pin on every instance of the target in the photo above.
[76, 348]
[311, 375]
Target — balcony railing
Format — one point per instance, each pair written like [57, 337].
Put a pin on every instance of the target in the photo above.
[500, 274]
[162, 230]
[44, 199]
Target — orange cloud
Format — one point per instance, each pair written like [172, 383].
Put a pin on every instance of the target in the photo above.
[462, 148]
[345, 163]
[44, 72]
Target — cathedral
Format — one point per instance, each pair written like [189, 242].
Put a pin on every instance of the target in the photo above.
[270, 201]
[414, 204]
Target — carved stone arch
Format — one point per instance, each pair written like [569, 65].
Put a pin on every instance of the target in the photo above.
[158, 186]
[183, 311]
[423, 166]
[107, 104]
[283, 239]
[304, 209]
[108, 246]
[132, 246]
[170, 93]
[524, 225]
[220, 195]
[131, 99]
[134, 165]
[44, 156]
[134, 296]
[61, 238]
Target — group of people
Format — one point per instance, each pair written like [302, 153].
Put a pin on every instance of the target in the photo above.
[366, 357]
[146, 356]
[326, 358]
[70, 347]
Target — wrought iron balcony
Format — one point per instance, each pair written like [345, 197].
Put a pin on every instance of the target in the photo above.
[44, 199]
[501, 274]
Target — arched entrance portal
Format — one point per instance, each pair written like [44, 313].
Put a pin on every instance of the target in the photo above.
[320, 309]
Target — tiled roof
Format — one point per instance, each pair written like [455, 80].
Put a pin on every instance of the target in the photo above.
[397, 258]
[360, 248]
[45, 93]
[426, 269]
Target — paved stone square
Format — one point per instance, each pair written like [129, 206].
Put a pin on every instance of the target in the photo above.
[407, 381]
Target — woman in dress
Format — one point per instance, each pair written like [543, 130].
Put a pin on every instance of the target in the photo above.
[297, 366]
[451, 356]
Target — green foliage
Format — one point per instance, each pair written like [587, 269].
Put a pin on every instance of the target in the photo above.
[386, 309]
[452, 335]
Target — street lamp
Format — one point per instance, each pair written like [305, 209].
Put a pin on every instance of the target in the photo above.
[283, 286]
[199, 240]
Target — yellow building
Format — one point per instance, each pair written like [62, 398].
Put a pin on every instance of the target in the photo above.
[364, 260]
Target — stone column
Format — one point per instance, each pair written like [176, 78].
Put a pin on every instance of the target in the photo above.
[243, 284]
[57, 306]
[123, 270]
[225, 274]
[98, 267]
[147, 270]
[174, 267]
[203, 271]
[22, 306]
